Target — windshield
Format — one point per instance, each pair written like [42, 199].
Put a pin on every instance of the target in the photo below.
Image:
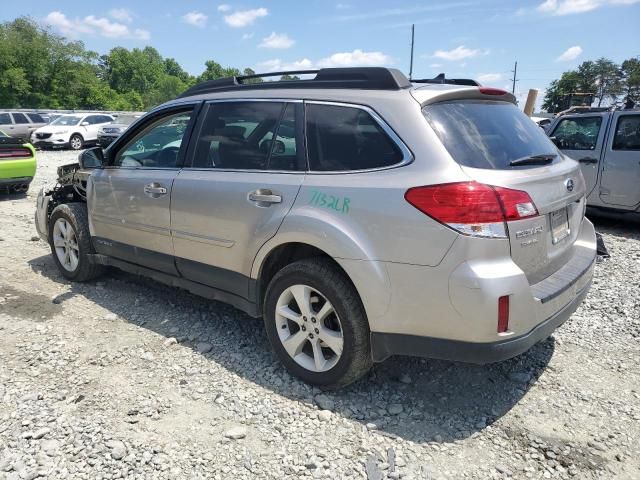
[483, 134]
[125, 119]
[67, 120]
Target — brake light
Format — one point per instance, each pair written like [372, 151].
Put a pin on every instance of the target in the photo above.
[472, 208]
[503, 314]
[19, 152]
[492, 91]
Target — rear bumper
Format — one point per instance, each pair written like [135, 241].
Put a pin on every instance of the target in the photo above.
[15, 181]
[384, 345]
[17, 171]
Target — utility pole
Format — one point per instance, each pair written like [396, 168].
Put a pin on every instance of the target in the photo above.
[515, 77]
[411, 62]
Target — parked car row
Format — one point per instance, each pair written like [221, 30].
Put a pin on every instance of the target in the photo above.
[75, 131]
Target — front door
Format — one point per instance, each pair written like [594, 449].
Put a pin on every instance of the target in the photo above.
[129, 200]
[581, 137]
[620, 184]
[247, 169]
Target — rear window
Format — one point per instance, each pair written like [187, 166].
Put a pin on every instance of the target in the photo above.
[35, 118]
[484, 134]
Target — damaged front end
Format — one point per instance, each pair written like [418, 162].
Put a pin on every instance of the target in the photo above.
[70, 187]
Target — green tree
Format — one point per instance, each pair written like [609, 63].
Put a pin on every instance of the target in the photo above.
[286, 77]
[213, 71]
[631, 79]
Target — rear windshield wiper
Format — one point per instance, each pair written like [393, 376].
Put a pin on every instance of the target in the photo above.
[541, 159]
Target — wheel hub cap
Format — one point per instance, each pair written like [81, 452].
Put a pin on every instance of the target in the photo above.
[66, 245]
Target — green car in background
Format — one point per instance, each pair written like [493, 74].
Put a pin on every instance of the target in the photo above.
[17, 164]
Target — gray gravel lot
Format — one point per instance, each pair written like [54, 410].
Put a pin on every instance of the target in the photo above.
[126, 378]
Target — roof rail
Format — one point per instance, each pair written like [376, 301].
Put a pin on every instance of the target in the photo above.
[584, 109]
[441, 79]
[364, 78]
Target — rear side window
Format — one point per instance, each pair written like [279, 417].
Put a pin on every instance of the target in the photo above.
[484, 134]
[240, 136]
[578, 133]
[347, 138]
[627, 133]
[20, 118]
[35, 118]
[5, 119]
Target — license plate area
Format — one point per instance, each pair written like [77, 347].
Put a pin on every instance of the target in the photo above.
[559, 220]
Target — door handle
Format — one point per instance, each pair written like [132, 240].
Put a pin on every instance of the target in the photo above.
[154, 190]
[264, 196]
[588, 160]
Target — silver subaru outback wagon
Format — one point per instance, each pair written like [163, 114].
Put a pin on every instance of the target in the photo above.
[360, 214]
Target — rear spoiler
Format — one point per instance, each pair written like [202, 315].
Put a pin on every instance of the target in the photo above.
[467, 93]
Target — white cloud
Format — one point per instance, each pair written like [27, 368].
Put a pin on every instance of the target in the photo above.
[569, 7]
[343, 6]
[356, 58]
[277, 65]
[247, 36]
[91, 25]
[459, 53]
[435, 65]
[245, 18]
[197, 19]
[224, 8]
[121, 14]
[489, 77]
[277, 40]
[570, 54]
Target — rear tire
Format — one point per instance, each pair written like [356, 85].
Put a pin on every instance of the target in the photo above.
[311, 335]
[76, 142]
[70, 243]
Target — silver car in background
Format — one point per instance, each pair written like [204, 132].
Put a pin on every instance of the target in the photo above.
[607, 146]
[111, 131]
[361, 215]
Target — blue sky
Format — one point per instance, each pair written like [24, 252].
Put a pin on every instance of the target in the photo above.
[478, 39]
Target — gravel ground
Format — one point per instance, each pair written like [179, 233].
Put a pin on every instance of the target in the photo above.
[126, 378]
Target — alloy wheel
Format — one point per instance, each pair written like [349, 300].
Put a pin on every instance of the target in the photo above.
[66, 245]
[309, 328]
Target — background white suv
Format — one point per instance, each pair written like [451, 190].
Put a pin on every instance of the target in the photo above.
[73, 130]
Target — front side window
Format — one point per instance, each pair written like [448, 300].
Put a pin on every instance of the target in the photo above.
[627, 135]
[156, 145]
[20, 118]
[341, 138]
[578, 133]
[239, 136]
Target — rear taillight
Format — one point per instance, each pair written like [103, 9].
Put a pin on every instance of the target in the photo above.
[472, 208]
[492, 91]
[503, 314]
[14, 152]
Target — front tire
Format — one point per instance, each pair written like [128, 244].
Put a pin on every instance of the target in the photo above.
[70, 243]
[76, 142]
[316, 324]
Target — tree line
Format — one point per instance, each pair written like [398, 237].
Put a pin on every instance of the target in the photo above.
[601, 82]
[39, 69]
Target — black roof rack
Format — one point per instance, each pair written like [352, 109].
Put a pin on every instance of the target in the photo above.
[441, 79]
[364, 78]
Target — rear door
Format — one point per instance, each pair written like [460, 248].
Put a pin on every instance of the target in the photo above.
[236, 192]
[582, 137]
[129, 200]
[620, 182]
[21, 126]
[486, 139]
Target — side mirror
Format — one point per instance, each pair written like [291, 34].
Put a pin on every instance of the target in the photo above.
[84, 124]
[91, 158]
[278, 147]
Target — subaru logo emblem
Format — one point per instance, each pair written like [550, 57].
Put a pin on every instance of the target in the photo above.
[569, 184]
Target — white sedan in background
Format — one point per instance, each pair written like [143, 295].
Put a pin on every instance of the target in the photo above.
[74, 131]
